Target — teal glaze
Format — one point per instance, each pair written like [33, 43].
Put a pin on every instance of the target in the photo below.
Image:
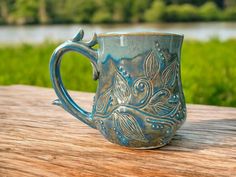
[139, 101]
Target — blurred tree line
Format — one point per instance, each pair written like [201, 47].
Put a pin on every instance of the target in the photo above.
[114, 11]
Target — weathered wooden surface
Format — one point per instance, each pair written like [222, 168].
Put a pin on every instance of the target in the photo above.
[39, 139]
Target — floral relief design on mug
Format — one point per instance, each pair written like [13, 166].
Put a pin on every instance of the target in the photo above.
[153, 95]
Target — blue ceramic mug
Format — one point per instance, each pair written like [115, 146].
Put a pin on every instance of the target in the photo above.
[139, 101]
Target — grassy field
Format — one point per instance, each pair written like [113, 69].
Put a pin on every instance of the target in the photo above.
[208, 70]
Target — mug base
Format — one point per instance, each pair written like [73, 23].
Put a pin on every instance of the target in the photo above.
[151, 147]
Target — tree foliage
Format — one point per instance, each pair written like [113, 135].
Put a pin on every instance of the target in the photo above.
[209, 12]
[109, 11]
[156, 12]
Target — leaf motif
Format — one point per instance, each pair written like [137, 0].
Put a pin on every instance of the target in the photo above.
[162, 108]
[169, 74]
[121, 89]
[79, 36]
[151, 66]
[103, 101]
[159, 103]
[160, 96]
[129, 126]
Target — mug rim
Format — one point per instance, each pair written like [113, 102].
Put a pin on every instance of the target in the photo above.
[149, 33]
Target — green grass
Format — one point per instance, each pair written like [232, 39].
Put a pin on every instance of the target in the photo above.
[208, 70]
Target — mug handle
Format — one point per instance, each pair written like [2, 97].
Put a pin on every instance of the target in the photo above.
[65, 101]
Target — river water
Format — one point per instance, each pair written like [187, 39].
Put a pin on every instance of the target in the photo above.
[37, 34]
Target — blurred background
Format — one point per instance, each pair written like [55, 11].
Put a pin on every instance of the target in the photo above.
[31, 29]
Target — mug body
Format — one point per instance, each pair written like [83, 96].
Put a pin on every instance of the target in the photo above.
[139, 100]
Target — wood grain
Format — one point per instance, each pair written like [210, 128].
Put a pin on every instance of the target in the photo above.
[39, 139]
